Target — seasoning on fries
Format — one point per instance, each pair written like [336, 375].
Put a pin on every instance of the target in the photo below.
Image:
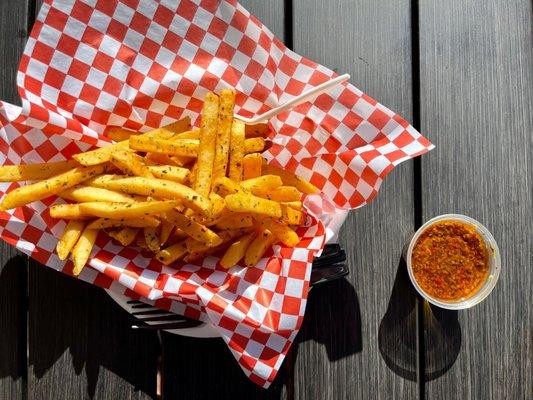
[178, 193]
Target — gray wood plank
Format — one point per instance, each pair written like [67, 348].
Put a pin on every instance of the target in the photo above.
[13, 265]
[359, 335]
[205, 368]
[476, 79]
[81, 344]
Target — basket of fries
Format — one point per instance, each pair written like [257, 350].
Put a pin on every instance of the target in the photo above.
[126, 166]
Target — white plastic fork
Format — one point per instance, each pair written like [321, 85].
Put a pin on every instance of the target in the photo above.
[309, 95]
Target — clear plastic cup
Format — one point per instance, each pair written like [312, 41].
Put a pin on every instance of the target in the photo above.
[493, 258]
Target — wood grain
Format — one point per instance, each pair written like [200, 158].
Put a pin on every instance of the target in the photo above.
[358, 340]
[205, 368]
[476, 70]
[13, 265]
[81, 344]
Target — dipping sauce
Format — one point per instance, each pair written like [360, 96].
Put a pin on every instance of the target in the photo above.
[450, 261]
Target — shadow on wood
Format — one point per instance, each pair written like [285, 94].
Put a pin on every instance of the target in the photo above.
[397, 333]
[205, 369]
[397, 330]
[333, 318]
[81, 343]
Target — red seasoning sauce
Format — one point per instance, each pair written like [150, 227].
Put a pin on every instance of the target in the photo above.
[450, 261]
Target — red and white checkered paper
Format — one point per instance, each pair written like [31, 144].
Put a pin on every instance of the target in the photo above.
[143, 64]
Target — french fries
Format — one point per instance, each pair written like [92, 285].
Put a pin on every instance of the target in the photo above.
[175, 192]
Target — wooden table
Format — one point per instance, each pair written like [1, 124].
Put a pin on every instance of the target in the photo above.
[462, 72]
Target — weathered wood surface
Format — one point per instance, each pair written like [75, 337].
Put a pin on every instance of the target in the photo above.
[205, 368]
[354, 328]
[476, 71]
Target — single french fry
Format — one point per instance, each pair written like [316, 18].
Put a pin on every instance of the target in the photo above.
[67, 211]
[241, 202]
[88, 193]
[236, 151]
[206, 150]
[170, 172]
[297, 205]
[165, 231]
[282, 232]
[290, 216]
[225, 118]
[172, 253]
[234, 220]
[251, 165]
[130, 163]
[151, 236]
[262, 183]
[194, 134]
[254, 145]
[163, 159]
[193, 229]
[49, 187]
[104, 209]
[236, 251]
[119, 134]
[281, 193]
[218, 205]
[103, 154]
[193, 174]
[290, 179]
[225, 186]
[258, 247]
[179, 147]
[139, 222]
[258, 130]
[161, 188]
[124, 236]
[82, 249]
[31, 172]
[68, 239]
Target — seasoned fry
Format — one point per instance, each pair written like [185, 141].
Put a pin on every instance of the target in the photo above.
[165, 231]
[290, 179]
[261, 184]
[104, 209]
[297, 205]
[124, 236]
[179, 147]
[103, 154]
[161, 188]
[194, 134]
[151, 236]
[119, 134]
[254, 145]
[281, 193]
[258, 247]
[172, 253]
[236, 151]
[236, 251]
[225, 186]
[82, 249]
[130, 163]
[88, 193]
[234, 220]
[251, 165]
[290, 216]
[218, 205]
[31, 172]
[284, 233]
[140, 222]
[164, 159]
[257, 130]
[224, 131]
[67, 211]
[193, 229]
[70, 236]
[242, 202]
[170, 172]
[199, 250]
[49, 187]
[206, 151]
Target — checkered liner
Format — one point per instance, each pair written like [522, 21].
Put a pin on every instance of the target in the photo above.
[140, 65]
